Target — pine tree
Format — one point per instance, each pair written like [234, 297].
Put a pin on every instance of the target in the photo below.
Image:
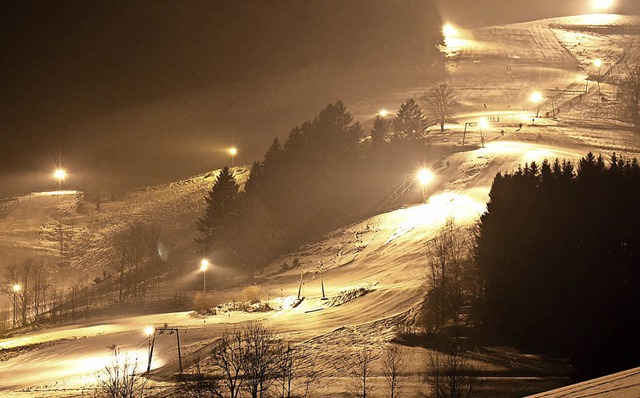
[410, 123]
[379, 132]
[221, 208]
[442, 104]
[252, 185]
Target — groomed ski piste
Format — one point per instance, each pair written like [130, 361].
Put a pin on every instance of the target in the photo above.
[373, 269]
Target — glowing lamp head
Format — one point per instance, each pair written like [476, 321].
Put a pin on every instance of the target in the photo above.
[536, 97]
[204, 264]
[597, 63]
[149, 330]
[425, 176]
[383, 113]
[483, 123]
[16, 288]
[602, 5]
[233, 151]
[449, 30]
[60, 174]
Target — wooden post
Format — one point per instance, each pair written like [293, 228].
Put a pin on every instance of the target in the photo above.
[153, 343]
[179, 353]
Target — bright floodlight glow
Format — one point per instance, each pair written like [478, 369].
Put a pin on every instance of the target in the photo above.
[60, 174]
[602, 5]
[536, 97]
[449, 30]
[233, 151]
[16, 288]
[204, 264]
[483, 123]
[425, 176]
[149, 330]
[597, 63]
[383, 113]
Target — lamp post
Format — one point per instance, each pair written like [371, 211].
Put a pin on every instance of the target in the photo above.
[484, 124]
[149, 331]
[536, 98]
[60, 175]
[204, 264]
[233, 151]
[424, 178]
[598, 64]
[16, 289]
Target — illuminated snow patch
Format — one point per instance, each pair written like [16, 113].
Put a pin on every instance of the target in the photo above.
[596, 19]
[41, 337]
[440, 207]
[529, 152]
[54, 193]
[286, 303]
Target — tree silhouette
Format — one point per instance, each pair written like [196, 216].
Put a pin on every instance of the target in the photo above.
[557, 254]
[221, 202]
[629, 96]
[379, 132]
[442, 103]
[410, 123]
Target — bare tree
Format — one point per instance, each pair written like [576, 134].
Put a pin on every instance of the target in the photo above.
[119, 379]
[199, 385]
[392, 367]
[448, 252]
[360, 370]
[442, 104]
[227, 358]
[135, 250]
[629, 96]
[450, 375]
[310, 375]
[261, 358]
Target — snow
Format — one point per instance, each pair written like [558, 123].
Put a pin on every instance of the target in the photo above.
[620, 385]
[381, 256]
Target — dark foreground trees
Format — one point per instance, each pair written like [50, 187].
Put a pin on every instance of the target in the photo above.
[558, 254]
[251, 361]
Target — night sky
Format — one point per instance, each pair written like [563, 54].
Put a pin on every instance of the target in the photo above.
[156, 90]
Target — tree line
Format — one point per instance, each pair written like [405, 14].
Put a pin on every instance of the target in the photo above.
[327, 172]
[557, 259]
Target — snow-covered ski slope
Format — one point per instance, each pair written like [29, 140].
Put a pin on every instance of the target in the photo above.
[495, 70]
[620, 385]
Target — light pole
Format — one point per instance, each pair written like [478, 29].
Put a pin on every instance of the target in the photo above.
[233, 151]
[484, 124]
[536, 98]
[150, 331]
[598, 64]
[16, 289]
[204, 264]
[424, 178]
[60, 175]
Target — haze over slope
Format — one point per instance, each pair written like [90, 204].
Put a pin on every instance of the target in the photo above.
[494, 71]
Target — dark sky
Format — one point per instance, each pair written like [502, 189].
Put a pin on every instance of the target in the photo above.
[78, 75]
[155, 89]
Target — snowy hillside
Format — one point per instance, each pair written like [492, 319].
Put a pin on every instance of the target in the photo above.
[373, 269]
[66, 230]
